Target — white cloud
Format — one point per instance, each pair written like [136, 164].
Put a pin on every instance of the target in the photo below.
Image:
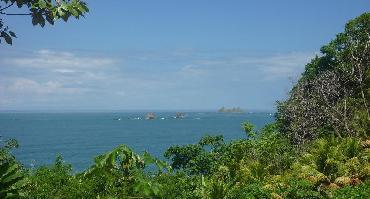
[288, 65]
[29, 86]
[271, 67]
[192, 71]
[60, 60]
[65, 70]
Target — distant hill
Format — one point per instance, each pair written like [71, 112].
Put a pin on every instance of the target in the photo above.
[231, 110]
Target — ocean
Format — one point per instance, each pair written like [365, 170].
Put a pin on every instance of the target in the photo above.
[79, 137]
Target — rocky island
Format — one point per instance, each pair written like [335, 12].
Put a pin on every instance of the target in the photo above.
[179, 115]
[150, 116]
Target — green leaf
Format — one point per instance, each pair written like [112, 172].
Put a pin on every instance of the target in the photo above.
[64, 6]
[60, 12]
[74, 12]
[10, 170]
[65, 17]
[84, 7]
[11, 180]
[34, 20]
[42, 4]
[7, 38]
[37, 18]
[20, 3]
[12, 34]
[50, 18]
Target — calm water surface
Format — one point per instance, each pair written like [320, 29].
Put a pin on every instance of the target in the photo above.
[79, 137]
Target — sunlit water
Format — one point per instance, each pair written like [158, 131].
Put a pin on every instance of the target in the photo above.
[79, 137]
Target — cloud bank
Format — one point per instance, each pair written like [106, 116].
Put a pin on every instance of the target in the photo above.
[51, 79]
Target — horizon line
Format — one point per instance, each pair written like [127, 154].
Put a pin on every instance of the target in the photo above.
[121, 110]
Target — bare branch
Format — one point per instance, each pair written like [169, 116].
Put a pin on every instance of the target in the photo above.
[16, 14]
[6, 7]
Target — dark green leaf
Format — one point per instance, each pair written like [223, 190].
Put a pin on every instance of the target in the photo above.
[12, 34]
[7, 38]
[50, 18]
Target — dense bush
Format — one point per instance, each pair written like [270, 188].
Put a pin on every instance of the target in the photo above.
[361, 191]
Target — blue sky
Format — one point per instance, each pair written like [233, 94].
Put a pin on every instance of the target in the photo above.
[193, 54]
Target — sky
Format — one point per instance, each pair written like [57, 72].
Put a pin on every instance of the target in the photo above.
[168, 55]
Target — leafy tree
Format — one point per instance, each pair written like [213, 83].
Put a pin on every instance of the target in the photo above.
[57, 181]
[197, 158]
[124, 174]
[248, 129]
[332, 96]
[40, 11]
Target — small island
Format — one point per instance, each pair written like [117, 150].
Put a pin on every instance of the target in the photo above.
[231, 110]
[150, 116]
[179, 115]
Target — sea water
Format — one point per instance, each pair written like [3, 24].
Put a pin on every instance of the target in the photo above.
[79, 137]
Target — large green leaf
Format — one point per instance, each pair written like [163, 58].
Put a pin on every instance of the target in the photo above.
[11, 180]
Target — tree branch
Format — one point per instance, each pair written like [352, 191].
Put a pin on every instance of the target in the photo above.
[12, 14]
[6, 7]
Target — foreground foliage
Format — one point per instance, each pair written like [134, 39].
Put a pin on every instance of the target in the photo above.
[12, 178]
[264, 166]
